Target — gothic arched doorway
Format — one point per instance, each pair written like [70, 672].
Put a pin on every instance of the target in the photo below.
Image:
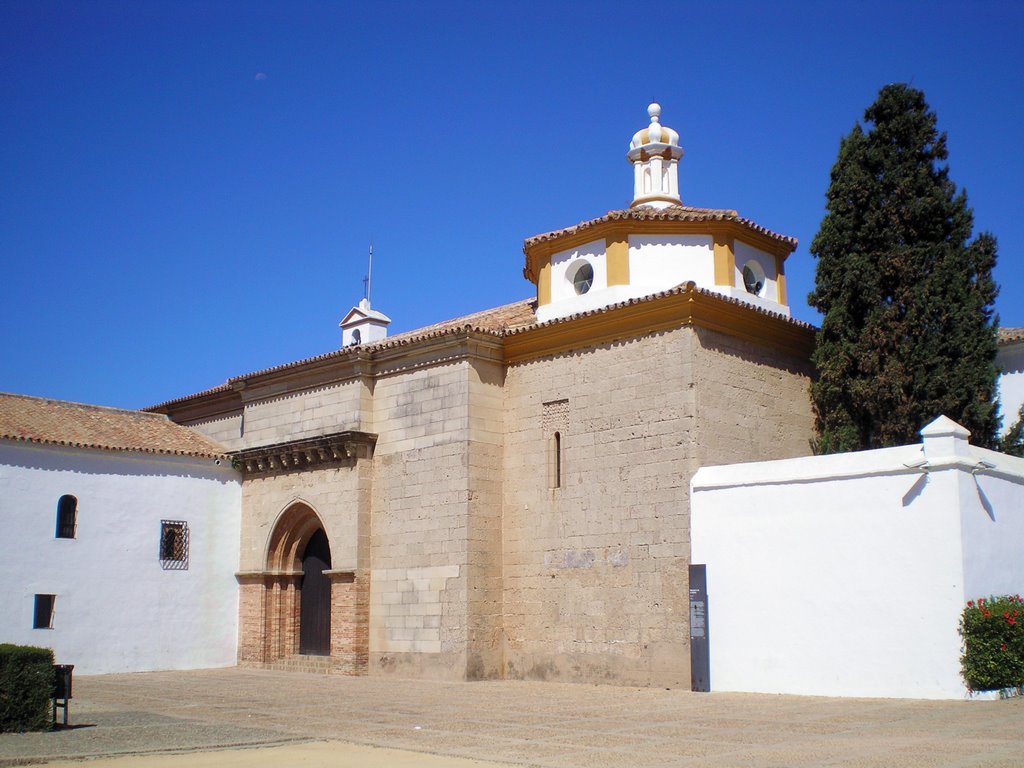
[315, 597]
[299, 605]
[298, 597]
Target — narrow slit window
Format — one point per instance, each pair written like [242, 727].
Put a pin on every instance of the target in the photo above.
[42, 616]
[556, 458]
[174, 545]
[67, 514]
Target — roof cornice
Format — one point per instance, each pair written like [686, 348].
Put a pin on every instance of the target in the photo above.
[374, 360]
[683, 306]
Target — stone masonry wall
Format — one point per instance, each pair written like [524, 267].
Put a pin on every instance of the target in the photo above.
[336, 494]
[226, 430]
[418, 597]
[275, 418]
[595, 571]
[484, 496]
[753, 403]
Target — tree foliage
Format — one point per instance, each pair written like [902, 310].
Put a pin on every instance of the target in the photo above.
[908, 331]
[1012, 442]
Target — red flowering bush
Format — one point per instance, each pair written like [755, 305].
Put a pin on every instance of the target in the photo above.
[993, 633]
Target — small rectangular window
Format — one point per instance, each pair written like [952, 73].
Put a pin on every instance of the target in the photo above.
[174, 544]
[556, 461]
[42, 617]
[554, 423]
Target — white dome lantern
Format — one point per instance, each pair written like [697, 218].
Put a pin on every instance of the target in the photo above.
[654, 153]
[363, 325]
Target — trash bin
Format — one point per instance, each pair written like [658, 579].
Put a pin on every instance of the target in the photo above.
[61, 689]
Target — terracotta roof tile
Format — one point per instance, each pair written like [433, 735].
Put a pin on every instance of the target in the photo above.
[679, 289]
[494, 321]
[672, 213]
[76, 425]
[1010, 335]
[506, 320]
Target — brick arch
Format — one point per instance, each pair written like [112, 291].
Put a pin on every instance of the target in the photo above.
[291, 533]
[270, 602]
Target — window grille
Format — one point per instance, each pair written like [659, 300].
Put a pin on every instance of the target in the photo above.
[42, 616]
[67, 514]
[174, 545]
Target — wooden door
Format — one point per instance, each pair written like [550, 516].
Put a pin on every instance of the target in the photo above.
[315, 602]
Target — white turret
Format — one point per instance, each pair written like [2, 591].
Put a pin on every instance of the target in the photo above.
[654, 153]
[363, 325]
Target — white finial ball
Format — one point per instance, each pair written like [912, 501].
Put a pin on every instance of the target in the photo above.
[654, 110]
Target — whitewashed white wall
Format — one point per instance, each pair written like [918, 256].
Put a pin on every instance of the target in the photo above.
[117, 609]
[656, 263]
[660, 262]
[846, 575]
[1011, 382]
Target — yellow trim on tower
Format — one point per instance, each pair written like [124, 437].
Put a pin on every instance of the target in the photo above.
[616, 251]
[780, 278]
[725, 260]
[540, 252]
[544, 284]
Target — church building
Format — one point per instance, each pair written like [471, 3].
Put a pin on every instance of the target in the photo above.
[506, 494]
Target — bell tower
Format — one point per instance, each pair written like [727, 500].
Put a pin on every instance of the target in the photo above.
[656, 245]
[654, 153]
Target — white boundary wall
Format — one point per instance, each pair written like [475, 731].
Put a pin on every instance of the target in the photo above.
[116, 608]
[846, 575]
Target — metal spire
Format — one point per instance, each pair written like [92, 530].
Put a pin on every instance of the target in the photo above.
[369, 273]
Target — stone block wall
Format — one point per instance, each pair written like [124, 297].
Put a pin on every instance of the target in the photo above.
[483, 532]
[225, 429]
[595, 571]
[418, 594]
[340, 496]
[752, 402]
[273, 418]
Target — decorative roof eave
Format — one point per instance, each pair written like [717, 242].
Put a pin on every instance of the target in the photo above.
[321, 452]
[112, 448]
[684, 305]
[1009, 336]
[210, 403]
[372, 359]
[643, 220]
[347, 363]
[373, 351]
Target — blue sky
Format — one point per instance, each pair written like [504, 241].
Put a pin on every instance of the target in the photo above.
[188, 189]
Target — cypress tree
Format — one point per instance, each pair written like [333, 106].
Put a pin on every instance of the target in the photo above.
[908, 331]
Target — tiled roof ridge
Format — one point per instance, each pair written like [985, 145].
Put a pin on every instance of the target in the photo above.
[78, 404]
[456, 325]
[461, 324]
[63, 411]
[105, 447]
[671, 213]
[1010, 335]
[675, 291]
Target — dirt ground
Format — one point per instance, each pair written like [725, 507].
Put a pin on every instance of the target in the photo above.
[229, 717]
[320, 754]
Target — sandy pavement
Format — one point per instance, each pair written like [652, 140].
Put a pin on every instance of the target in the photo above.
[247, 717]
[319, 754]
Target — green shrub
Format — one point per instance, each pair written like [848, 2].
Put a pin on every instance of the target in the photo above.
[993, 633]
[26, 687]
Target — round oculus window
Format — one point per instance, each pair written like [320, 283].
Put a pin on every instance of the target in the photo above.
[753, 278]
[583, 278]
